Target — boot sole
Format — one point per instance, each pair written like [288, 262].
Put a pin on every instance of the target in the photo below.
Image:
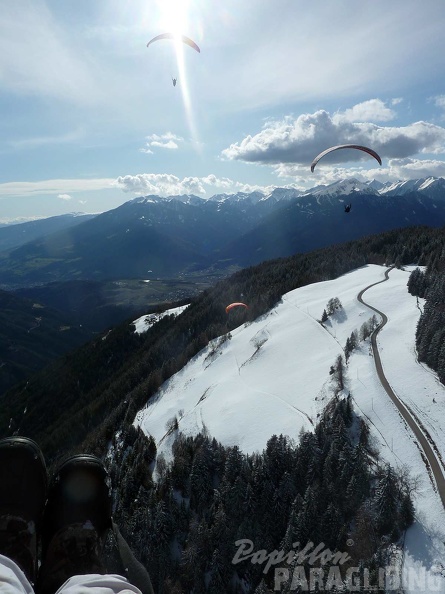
[68, 501]
[81, 460]
[26, 443]
[23, 457]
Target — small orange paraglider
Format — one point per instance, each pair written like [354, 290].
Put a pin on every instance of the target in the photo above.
[237, 304]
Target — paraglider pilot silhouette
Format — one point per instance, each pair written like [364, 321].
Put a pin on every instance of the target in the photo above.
[69, 516]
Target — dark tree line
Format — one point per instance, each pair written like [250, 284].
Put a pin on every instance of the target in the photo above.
[329, 488]
[418, 282]
[430, 333]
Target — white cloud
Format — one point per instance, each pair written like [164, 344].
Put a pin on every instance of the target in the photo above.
[212, 180]
[367, 111]
[166, 141]
[171, 144]
[17, 220]
[396, 169]
[396, 100]
[439, 101]
[416, 168]
[54, 186]
[164, 184]
[299, 140]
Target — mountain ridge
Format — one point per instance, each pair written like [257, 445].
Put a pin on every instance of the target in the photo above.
[185, 235]
[14, 235]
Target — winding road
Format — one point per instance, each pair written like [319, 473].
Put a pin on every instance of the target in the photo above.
[431, 459]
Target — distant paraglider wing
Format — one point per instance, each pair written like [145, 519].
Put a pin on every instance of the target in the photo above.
[345, 146]
[232, 305]
[183, 38]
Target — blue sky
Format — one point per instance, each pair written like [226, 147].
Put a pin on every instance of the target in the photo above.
[90, 118]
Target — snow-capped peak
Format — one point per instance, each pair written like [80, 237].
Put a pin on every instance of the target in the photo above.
[376, 184]
[342, 188]
[253, 197]
[278, 194]
[433, 187]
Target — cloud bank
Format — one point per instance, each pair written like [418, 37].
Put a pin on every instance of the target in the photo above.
[298, 140]
[165, 184]
[61, 187]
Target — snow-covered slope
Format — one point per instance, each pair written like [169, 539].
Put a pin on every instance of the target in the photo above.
[270, 372]
[433, 187]
[143, 323]
[272, 376]
[343, 188]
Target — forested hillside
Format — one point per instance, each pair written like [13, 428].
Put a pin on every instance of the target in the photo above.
[82, 400]
[31, 336]
[330, 488]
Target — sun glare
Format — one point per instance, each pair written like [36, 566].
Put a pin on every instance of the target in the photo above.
[174, 17]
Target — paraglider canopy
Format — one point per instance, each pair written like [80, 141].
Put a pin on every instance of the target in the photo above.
[232, 305]
[182, 38]
[345, 146]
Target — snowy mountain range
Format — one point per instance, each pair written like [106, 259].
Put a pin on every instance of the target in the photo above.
[181, 235]
[433, 187]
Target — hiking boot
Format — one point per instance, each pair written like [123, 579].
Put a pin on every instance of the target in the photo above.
[23, 484]
[77, 517]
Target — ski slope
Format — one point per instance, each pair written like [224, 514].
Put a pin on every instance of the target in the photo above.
[272, 376]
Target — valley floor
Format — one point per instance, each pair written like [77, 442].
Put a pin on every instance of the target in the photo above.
[272, 376]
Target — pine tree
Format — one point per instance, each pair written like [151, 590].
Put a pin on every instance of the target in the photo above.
[331, 524]
[407, 512]
[351, 344]
[386, 501]
[291, 534]
[332, 305]
[441, 364]
[365, 331]
[308, 524]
